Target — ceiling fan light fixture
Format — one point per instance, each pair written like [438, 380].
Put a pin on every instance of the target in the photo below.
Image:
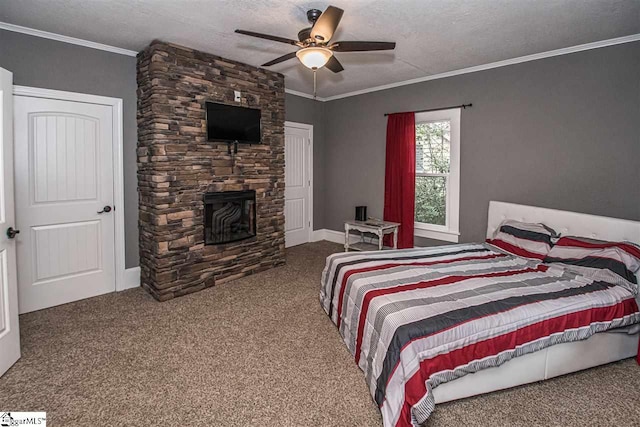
[314, 57]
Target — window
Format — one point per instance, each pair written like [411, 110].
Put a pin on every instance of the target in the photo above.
[438, 174]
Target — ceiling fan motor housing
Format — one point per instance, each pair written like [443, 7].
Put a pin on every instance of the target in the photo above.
[304, 34]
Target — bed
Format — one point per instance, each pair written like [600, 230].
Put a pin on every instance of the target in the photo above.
[413, 360]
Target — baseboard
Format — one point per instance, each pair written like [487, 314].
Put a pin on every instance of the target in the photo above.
[317, 235]
[333, 236]
[131, 278]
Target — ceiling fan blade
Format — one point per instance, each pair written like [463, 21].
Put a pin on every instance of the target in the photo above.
[326, 25]
[283, 58]
[361, 46]
[268, 37]
[334, 65]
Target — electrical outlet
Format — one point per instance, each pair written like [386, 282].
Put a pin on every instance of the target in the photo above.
[237, 95]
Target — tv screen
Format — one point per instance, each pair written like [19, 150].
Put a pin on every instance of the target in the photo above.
[231, 123]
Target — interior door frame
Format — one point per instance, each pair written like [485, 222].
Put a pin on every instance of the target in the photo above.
[309, 129]
[118, 171]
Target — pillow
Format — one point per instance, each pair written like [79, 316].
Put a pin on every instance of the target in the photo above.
[583, 255]
[523, 239]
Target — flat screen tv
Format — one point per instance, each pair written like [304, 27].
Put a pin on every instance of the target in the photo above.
[230, 123]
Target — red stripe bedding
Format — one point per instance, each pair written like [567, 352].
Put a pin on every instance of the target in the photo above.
[414, 319]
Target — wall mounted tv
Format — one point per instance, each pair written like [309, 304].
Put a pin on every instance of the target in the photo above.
[230, 123]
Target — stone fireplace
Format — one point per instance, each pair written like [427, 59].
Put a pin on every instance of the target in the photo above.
[187, 183]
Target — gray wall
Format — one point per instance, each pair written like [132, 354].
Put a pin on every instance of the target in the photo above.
[304, 110]
[562, 132]
[49, 64]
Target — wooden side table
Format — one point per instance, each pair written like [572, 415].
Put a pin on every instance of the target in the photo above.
[379, 228]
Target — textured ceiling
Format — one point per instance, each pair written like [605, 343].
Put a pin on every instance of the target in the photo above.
[433, 36]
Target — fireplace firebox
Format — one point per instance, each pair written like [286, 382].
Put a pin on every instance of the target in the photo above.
[229, 216]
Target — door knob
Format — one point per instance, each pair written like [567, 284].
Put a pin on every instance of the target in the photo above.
[11, 232]
[106, 209]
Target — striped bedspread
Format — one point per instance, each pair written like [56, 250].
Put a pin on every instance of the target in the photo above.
[414, 319]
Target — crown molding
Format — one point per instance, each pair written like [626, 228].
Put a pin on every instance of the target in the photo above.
[513, 61]
[507, 62]
[93, 45]
[66, 39]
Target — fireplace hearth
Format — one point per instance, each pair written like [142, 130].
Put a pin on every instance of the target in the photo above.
[229, 216]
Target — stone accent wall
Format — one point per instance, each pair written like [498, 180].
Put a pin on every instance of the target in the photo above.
[176, 166]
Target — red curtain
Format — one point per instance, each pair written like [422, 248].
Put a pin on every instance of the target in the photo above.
[400, 175]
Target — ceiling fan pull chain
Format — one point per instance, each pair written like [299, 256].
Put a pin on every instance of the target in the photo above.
[314, 82]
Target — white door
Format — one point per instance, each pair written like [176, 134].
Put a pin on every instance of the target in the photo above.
[9, 332]
[64, 201]
[297, 189]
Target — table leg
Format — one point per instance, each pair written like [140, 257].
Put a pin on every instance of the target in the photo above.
[380, 239]
[346, 238]
[395, 239]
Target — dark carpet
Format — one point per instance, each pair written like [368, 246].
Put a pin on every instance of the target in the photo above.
[258, 351]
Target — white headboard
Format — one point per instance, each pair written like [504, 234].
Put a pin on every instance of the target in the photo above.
[565, 222]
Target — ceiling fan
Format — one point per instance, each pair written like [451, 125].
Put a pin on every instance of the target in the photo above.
[315, 51]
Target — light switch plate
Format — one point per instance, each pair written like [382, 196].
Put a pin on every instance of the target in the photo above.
[237, 95]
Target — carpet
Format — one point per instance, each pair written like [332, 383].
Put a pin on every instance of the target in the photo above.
[258, 351]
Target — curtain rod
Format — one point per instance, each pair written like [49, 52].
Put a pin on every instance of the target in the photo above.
[463, 106]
